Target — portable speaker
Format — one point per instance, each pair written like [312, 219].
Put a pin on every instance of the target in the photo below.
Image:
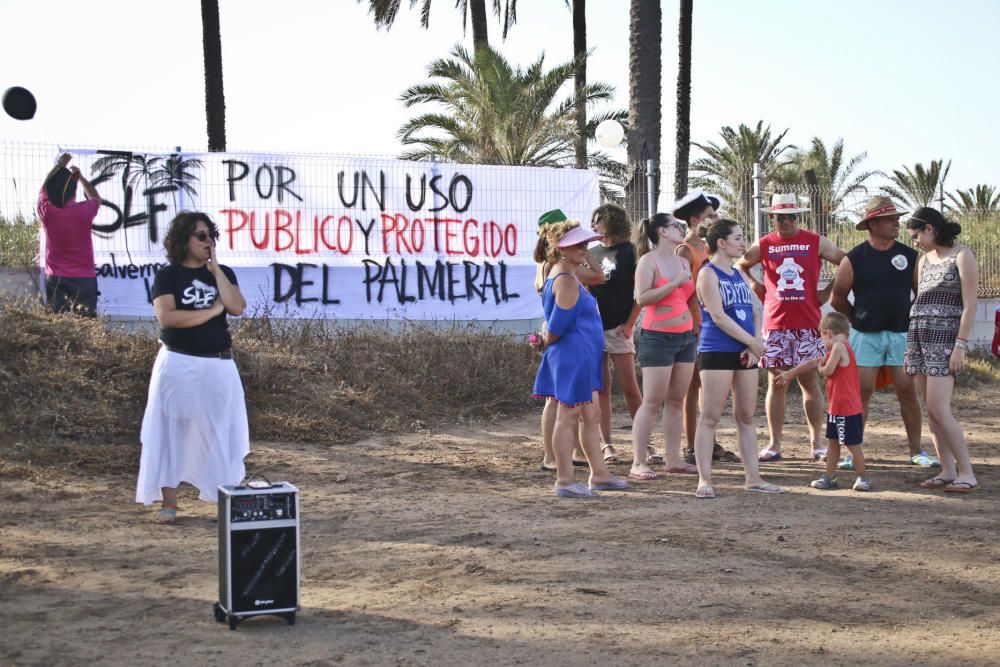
[258, 552]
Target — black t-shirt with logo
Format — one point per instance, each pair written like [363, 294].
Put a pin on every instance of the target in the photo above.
[194, 289]
[616, 296]
[883, 283]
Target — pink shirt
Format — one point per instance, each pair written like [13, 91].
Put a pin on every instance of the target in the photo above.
[69, 248]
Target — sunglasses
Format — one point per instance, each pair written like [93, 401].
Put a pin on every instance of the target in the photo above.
[204, 236]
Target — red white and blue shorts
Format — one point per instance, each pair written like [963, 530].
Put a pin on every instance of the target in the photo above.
[787, 348]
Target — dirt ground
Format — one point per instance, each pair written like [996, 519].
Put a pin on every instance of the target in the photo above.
[448, 548]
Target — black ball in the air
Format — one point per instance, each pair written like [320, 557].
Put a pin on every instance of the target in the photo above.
[19, 103]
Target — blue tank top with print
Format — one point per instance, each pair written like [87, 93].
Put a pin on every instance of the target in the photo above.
[737, 301]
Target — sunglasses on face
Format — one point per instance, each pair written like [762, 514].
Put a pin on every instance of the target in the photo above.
[204, 236]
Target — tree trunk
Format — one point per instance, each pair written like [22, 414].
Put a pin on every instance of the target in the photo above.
[645, 37]
[580, 80]
[683, 146]
[215, 99]
[480, 36]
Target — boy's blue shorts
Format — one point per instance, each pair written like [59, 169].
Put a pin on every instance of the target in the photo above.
[845, 430]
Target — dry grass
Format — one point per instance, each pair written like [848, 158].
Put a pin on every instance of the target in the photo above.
[72, 391]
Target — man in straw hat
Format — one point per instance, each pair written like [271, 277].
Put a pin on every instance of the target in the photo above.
[882, 274]
[790, 259]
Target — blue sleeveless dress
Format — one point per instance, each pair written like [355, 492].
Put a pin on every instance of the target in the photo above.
[572, 367]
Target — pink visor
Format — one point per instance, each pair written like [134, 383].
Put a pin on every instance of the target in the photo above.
[577, 235]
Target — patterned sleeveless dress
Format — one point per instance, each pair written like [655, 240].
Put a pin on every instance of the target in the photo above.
[934, 319]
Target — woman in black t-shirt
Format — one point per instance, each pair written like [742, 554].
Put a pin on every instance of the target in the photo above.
[195, 426]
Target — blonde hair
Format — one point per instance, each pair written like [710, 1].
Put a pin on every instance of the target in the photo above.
[553, 232]
[835, 322]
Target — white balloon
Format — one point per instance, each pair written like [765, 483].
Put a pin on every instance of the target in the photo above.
[610, 133]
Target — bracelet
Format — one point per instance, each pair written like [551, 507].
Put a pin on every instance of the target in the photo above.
[964, 340]
[962, 343]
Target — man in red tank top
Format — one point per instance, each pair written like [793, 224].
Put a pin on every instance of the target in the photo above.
[790, 260]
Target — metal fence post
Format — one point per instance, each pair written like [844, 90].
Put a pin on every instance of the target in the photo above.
[651, 187]
[758, 187]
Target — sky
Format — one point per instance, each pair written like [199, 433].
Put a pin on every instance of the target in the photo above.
[904, 80]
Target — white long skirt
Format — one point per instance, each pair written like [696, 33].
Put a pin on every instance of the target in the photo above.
[195, 427]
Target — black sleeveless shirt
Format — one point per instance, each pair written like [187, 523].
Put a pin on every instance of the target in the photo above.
[883, 284]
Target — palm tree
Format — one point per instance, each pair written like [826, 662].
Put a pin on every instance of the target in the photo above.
[918, 186]
[831, 180]
[727, 168]
[645, 36]
[683, 138]
[495, 113]
[215, 99]
[579, 79]
[384, 12]
[978, 202]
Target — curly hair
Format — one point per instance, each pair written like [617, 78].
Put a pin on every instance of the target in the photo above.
[616, 220]
[181, 229]
[553, 232]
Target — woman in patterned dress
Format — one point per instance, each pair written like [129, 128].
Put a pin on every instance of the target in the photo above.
[937, 341]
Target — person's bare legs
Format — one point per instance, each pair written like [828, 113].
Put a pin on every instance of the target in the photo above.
[590, 440]
[867, 375]
[812, 405]
[691, 409]
[744, 386]
[774, 406]
[951, 439]
[715, 387]
[548, 425]
[948, 471]
[169, 497]
[604, 399]
[563, 437]
[909, 408]
[655, 382]
[673, 414]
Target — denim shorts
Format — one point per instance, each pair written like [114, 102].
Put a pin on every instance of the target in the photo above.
[663, 348]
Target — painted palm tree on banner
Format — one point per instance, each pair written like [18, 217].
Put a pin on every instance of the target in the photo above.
[384, 12]
[978, 202]
[727, 167]
[495, 113]
[918, 186]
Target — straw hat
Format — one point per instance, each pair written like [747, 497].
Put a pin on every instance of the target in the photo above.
[785, 204]
[878, 207]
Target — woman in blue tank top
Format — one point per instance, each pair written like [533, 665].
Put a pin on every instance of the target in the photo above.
[728, 351]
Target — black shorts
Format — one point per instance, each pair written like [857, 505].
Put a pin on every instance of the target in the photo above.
[845, 430]
[722, 361]
[72, 295]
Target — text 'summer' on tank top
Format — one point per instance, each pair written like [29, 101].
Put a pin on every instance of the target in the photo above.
[737, 302]
[843, 388]
[883, 284]
[676, 302]
[791, 276]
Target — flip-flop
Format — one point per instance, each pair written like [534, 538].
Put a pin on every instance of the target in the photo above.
[609, 456]
[653, 455]
[577, 490]
[819, 455]
[935, 483]
[611, 484]
[167, 515]
[686, 469]
[961, 487]
[720, 453]
[545, 468]
[643, 476]
[768, 455]
[704, 492]
[766, 487]
[580, 464]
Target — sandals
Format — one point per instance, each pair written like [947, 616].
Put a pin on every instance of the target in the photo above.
[935, 483]
[609, 453]
[819, 454]
[644, 476]
[720, 453]
[653, 455]
[704, 492]
[768, 455]
[961, 487]
[167, 515]
[764, 487]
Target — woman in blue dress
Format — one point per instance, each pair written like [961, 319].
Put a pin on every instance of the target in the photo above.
[572, 370]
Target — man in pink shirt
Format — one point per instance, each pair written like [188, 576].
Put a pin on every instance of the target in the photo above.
[70, 280]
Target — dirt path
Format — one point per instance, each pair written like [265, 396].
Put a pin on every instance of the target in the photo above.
[447, 548]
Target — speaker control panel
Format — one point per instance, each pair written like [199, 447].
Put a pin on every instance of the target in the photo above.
[262, 507]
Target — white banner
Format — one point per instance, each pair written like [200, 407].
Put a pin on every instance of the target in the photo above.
[335, 237]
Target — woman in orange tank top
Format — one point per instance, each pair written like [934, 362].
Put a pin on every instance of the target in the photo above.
[667, 345]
